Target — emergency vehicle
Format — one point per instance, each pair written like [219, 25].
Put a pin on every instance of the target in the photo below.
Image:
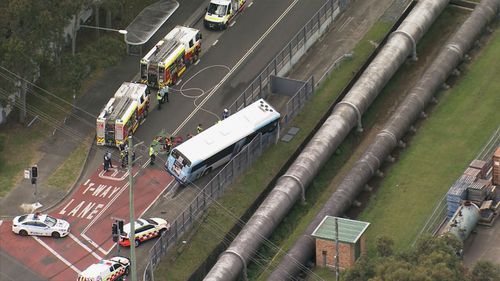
[221, 12]
[122, 114]
[145, 229]
[168, 60]
[113, 269]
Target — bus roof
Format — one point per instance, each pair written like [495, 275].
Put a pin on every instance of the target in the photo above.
[224, 133]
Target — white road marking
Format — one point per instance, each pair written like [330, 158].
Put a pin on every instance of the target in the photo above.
[235, 67]
[84, 246]
[94, 244]
[115, 171]
[345, 23]
[232, 23]
[197, 62]
[56, 254]
[1, 221]
[105, 208]
[214, 43]
[250, 4]
[178, 82]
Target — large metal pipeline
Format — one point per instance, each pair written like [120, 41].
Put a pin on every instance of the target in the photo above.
[385, 142]
[291, 186]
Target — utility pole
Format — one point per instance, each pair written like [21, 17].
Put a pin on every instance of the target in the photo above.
[337, 272]
[131, 238]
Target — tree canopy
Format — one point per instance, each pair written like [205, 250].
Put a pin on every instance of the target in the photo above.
[432, 259]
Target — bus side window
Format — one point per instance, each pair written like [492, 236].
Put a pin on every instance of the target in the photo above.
[191, 44]
[197, 167]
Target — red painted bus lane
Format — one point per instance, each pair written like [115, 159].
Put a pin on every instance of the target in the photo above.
[90, 210]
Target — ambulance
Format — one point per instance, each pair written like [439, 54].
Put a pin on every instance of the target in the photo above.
[116, 268]
[220, 13]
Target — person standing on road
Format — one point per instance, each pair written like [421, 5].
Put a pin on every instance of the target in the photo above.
[164, 93]
[152, 155]
[199, 129]
[108, 154]
[159, 98]
[225, 113]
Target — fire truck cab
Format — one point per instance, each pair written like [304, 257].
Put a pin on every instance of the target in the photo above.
[122, 114]
[168, 60]
[221, 12]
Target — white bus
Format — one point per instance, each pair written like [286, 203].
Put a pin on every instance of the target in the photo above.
[218, 144]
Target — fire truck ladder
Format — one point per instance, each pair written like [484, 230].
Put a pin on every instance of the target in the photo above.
[120, 108]
[168, 47]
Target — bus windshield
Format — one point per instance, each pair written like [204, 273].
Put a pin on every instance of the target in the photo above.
[216, 9]
[180, 158]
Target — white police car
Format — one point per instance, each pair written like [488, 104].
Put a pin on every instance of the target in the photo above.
[40, 224]
[116, 268]
[145, 229]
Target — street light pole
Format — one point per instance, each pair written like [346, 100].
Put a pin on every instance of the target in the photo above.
[133, 267]
[76, 26]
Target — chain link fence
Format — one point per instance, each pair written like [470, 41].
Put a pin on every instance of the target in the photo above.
[213, 190]
[438, 216]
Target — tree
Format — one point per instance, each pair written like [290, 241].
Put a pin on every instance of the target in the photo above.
[384, 246]
[485, 271]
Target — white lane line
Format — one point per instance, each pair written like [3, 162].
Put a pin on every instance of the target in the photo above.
[56, 254]
[250, 4]
[232, 23]
[212, 92]
[1, 221]
[214, 43]
[84, 246]
[345, 23]
[94, 244]
[197, 62]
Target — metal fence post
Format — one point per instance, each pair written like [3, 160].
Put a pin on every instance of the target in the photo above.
[260, 86]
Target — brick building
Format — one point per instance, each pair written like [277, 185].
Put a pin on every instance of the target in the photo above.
[351, 242]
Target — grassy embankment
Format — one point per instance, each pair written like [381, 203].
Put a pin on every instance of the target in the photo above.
[74, 76]
[248, 187]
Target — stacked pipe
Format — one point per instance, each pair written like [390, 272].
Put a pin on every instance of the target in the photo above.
[385, 142]
[291, 186]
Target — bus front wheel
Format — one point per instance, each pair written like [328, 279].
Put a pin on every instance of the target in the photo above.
[207, 171]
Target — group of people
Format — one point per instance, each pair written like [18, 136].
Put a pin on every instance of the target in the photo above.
[162, 96]
[124, 154]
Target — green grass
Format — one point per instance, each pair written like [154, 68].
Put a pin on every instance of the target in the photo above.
[459, 126]
[66, 174]
[248, 187]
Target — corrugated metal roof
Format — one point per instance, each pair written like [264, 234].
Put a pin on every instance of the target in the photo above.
[349, 230]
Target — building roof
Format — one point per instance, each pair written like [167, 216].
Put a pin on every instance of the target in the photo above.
[349, 230]
[149, 20]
